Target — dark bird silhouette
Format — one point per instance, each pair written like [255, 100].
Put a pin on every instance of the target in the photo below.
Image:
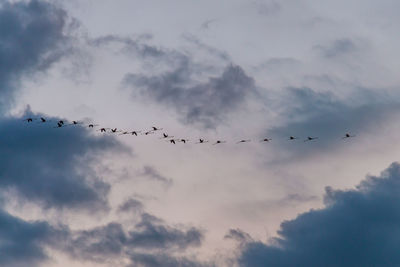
[114, 130]
[61, 122]
[135, 133]
[166, 136]
[172, 141]
[29, 119]
[243, 141]
[123, 133]
[59, 125]
[149, 132]
[202, 141]
[310, 139]
[42, 119]
[219, 142]
[266, 140]
[347, 135]
[156, 129]
[292, 138]
[184, 140]
[92, 125]
[103, 130]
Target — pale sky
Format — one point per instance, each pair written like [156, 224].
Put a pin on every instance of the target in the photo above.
[219, 70]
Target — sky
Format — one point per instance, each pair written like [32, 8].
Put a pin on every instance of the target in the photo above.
[217, 70]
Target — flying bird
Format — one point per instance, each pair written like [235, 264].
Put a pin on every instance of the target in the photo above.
[292, 138]
[202, 141]
[166, 136]
[243, 141]
[347, 135]
[184, 140]
[29, 119]
[135, 132]
[310, 139]
[266, 140]
[92, 125]
[103, 130]
[172, 141]
[219, 142]
[59, 125]
[156, 129]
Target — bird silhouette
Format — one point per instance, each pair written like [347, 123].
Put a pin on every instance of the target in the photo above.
[156, 129]
[219, 142]
[292, 138]
[92, 125]
[347, 135]
[202, 141]
[59, 125]
[309, 138]
[243, 141]
[172, 141]
[166, 136]
[114, 130]
[184, 140]
[135, 133]
[266, 140]
[103, 130]
[29, 119]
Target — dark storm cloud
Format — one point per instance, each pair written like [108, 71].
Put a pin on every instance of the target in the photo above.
[357, 227]
[31, 39]
[165, 260]
[53, 167]
[203, 103]
[322, 114]
[22, 242]
[151, 234]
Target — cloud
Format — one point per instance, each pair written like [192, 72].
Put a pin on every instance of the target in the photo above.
[153, 174]
[54, 167]
[111, 242]
[32, 37]
[203, 103]
[22, 242]
[306, 112]
[131, 204]
[338, 47]
[357, 227]
[151, 260]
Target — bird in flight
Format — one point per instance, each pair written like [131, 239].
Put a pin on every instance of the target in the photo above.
[166, 136]
[266, 140]
[202, 141]
[92, 125]
[172, 141]
[114, 130]
[149, 132]
[156, 129]
[135, 132]
[347, 135]
[292, 138]
[29, 119]
[103, 130]
[309, 138]
[59, 125]
[243, 141]
[219, 142]
[184, 140]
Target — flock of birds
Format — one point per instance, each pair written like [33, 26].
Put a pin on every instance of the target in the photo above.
[153, 130]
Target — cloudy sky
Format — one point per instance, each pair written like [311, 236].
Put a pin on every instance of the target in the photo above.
[219, 70]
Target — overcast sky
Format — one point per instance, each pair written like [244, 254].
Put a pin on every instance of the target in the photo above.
[219, 70]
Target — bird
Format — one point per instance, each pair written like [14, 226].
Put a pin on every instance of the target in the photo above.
[92, 125]
[149, 132]
[309, 138]
[243, 141]
[266, 140]
[29, 119]
[166, 136]
[184, 140]
[219, 142]
[114, 130]
[103, 130]
[135, 132]
[172, 141]
[59, 125]
[156, 129]
[42, 119]
[292, 138]
[202, 141]
[123, 133]
[347, 135]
